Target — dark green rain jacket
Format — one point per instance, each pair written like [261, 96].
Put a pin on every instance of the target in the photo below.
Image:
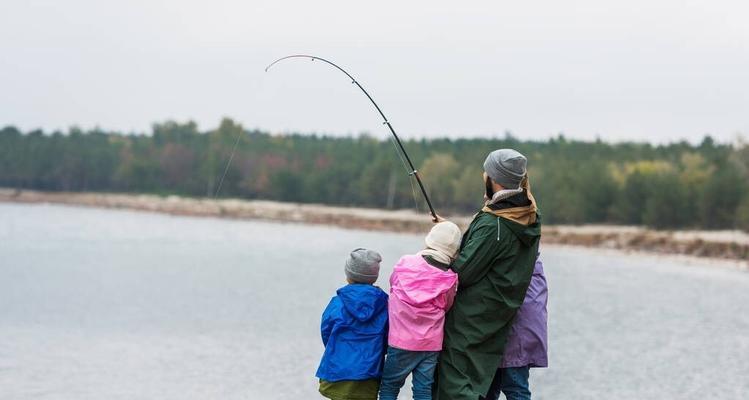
[494, 265]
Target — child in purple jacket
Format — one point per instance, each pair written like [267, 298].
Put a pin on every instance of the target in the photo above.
[527, 343]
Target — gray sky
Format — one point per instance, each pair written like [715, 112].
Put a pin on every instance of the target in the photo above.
[640, 69]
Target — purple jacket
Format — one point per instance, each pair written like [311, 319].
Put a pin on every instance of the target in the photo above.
[527, 344]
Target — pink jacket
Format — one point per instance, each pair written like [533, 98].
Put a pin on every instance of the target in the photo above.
[420, 294]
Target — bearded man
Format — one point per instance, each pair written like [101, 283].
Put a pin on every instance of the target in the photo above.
[494, 266]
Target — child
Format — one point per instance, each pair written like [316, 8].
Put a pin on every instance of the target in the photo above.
[422, 289]
[526, 345]
[354, 329]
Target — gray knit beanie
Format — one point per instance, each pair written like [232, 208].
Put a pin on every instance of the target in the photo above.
[507, 167]
[363, 266]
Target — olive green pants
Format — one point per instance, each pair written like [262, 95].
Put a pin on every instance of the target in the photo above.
[350, 390]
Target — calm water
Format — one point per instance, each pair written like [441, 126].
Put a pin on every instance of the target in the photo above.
[102, 304]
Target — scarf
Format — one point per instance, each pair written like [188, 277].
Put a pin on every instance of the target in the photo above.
[437, 255]
[503, 194]
[525, 215]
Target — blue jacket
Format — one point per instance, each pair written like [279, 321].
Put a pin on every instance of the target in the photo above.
[354, 331]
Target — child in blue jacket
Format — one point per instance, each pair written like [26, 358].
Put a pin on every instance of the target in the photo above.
[354, 331]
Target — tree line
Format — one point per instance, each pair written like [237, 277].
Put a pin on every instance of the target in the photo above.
[671, 186]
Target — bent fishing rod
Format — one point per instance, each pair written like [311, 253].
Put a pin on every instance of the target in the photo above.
[414, 172]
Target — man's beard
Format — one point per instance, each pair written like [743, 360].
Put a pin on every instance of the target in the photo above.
[489, 193]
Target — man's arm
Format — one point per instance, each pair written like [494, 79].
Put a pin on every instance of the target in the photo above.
[477, 255]
[450, 296]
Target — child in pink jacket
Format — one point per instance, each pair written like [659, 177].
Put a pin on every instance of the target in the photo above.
[422, 289]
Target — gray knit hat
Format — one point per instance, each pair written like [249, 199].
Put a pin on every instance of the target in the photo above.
[507, 167]
[363, 266]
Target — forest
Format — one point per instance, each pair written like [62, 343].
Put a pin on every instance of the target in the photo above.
[673, 186]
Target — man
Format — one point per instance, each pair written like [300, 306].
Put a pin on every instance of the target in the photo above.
[494, 267]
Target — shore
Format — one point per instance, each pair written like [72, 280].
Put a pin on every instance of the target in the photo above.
[731, 245]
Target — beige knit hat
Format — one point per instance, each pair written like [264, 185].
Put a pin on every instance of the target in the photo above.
[445, 238]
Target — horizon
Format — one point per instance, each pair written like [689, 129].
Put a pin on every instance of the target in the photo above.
[737, 140]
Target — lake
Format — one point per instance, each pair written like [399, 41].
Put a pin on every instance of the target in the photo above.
[111, 304]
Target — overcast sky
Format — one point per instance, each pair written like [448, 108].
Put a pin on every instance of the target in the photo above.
[627, 70]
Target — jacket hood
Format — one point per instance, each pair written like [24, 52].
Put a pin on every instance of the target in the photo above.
[416, 282]
[362, 301]
[525, 215]
[527, 234]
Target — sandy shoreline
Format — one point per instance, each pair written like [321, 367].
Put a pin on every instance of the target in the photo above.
[729, 245]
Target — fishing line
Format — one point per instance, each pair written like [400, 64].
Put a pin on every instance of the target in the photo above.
[411, 169]
[410, 181]
[228, 163]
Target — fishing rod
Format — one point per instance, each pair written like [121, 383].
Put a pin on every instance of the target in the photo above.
[413, 172]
